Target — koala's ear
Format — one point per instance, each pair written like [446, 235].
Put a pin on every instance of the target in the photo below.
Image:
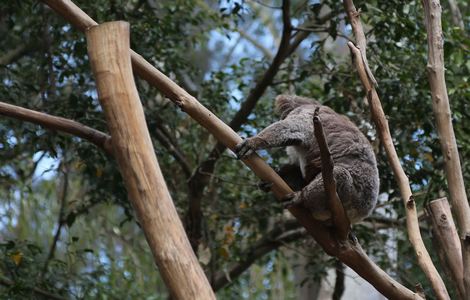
[284, 104]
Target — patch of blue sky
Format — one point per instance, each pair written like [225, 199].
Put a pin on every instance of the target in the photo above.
[46, 168]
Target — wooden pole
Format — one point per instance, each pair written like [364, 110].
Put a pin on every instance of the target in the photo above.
[108, 48]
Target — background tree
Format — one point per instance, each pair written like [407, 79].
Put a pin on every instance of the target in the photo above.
[67, 227]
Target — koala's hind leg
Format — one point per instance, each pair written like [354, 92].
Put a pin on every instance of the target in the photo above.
[313, 196]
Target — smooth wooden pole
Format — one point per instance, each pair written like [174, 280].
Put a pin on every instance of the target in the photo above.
[108, 48]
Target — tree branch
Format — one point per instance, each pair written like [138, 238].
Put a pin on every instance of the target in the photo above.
[445, 130]
[174, 151]
[14, 54]
[280, 235]
[100, 139]
[200, 179]
[456, 14]
[378, 116]
[339, 282]
[361, 42]
[6, 282]
[256, 43]
[62, 196]
[414, 235]
[261, 86]
[445, 233]
[341, 221]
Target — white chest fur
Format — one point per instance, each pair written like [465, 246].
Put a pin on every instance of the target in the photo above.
[297, 155]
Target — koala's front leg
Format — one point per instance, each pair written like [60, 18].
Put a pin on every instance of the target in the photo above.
[282, 133]
[248, 146]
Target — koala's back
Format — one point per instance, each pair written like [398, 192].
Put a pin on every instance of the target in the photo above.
[349, 148]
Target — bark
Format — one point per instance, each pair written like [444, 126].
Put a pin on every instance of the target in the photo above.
[100, 139]
[201, 177]
[456, 14]
[378, 116]
[442, 113]
[358, 31]
[341, 222]
[339, 282]
[412, 223]
[109, 52]
[445, 233]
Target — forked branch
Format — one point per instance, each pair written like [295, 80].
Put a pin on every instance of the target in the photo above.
[378, 116]
[412, 224]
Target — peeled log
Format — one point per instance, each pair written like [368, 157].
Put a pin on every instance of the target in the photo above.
[108, 48]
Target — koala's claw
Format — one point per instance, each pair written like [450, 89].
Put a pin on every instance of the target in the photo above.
[291, 200]
[243, 150]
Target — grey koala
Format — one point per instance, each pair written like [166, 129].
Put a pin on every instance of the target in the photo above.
[355, 166]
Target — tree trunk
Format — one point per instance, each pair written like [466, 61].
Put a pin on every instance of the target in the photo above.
[108, 48]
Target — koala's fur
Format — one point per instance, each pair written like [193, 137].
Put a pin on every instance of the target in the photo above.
[355, 166]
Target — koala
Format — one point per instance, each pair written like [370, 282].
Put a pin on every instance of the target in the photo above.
[355, 166]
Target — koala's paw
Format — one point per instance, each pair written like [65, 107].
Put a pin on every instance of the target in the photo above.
[245, 148]
[292, 199]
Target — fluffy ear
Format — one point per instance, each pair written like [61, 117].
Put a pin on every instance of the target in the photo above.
[284, 104]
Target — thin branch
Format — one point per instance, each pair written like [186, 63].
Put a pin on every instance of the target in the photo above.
[199, 181]
[299, 36]
[456, 15]
[62, 196]
[261, 86]
[414, 235]
[100, 139]
[341, 221]
[358, 31]
[378, 115]
[339, 282]
[277, 237]
[256, 43]
[443, 115]
[266, 5]
[175, 152]
[311, 29]
[14, 54]
[6, 282]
